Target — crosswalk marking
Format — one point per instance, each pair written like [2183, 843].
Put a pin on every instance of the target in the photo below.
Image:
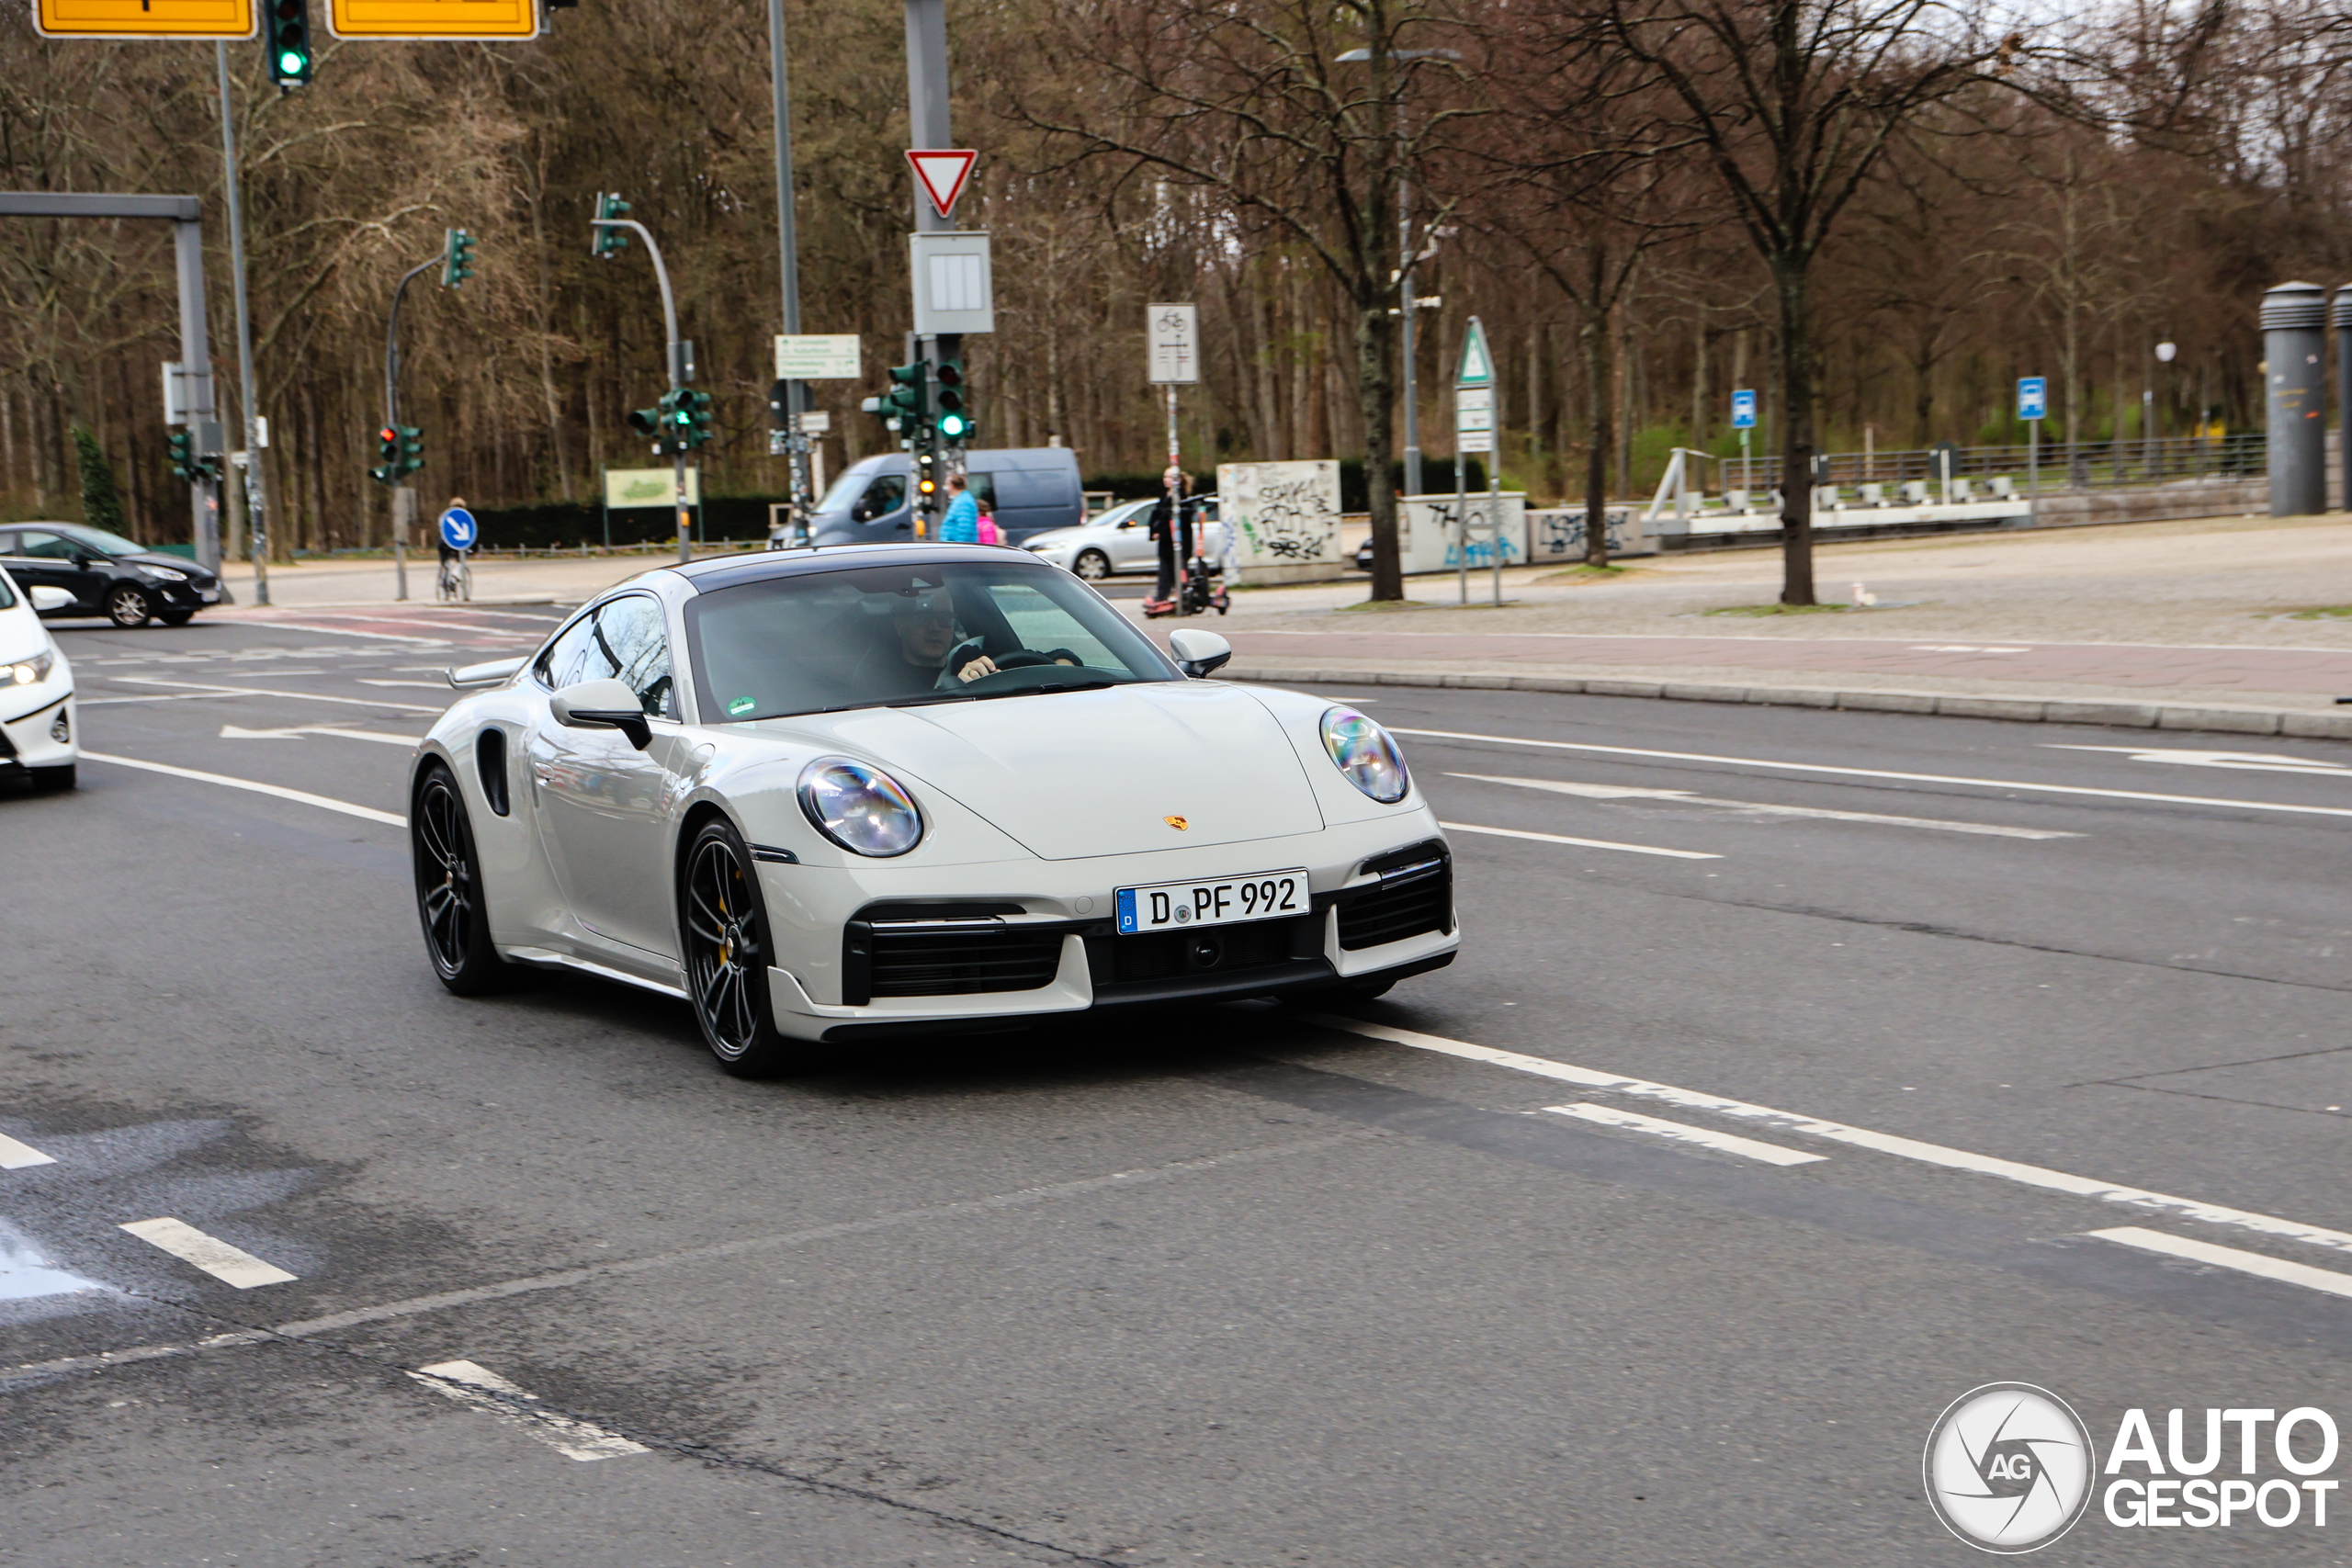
[228, 1264]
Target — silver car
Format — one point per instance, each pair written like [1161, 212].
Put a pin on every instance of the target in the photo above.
[1119, 540]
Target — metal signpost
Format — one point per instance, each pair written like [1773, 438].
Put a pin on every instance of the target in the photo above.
[1474, 431]
[1743, 419]
[2033, 407]
[794, 440]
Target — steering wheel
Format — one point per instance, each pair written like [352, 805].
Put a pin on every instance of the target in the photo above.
[1021, 658]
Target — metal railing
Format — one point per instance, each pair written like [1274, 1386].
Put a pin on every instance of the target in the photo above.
[2088, 465]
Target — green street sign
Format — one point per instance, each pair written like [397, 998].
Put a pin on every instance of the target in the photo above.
[1477, 364]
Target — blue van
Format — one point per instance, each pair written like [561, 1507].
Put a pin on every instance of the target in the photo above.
[1029, 489]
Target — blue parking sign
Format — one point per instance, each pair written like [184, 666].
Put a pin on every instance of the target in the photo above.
[1743, 411]
[2033, 396]
[458, 530]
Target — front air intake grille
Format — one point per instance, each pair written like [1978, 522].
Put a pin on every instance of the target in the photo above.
[1414, 895]
[944, 950]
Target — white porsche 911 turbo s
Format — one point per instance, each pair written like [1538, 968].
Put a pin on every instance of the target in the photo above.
[846, 795]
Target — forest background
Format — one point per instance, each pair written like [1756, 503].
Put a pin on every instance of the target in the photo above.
[2006, 233]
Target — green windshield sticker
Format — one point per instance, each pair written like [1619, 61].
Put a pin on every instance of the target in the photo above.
[743, 705]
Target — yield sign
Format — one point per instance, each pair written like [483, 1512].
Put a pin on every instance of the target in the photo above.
[1477, 364]
[942, 176]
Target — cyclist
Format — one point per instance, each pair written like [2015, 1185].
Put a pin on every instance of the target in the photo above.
[456, 576]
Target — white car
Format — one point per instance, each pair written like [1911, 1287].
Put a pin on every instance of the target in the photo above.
[846, 795]
[37, 713]
[1118, 540]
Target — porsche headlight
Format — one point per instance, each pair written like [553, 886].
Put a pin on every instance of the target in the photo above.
[32, 671]
[1362, 751]
[862, 809]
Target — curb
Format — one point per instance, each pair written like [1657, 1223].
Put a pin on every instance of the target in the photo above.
[2299, 722]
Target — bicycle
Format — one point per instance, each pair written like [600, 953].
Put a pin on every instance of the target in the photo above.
[456, 583]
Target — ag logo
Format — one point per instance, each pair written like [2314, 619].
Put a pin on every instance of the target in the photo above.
[2010, 1467]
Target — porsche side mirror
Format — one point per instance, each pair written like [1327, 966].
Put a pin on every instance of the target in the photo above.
[602, 705]
[1199, 654]
[46, 598]
[489, 674]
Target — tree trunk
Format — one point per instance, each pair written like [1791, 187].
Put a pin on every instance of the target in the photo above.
[1790, 282]
[1599, 438]
[1376, 387]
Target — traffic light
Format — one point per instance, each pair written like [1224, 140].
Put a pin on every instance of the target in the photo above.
[285, 36]
[926, 481]
[691, 418]
[188, 466]
[908, 399]
[954, 420]
[457, 258]
[386, 471]
[609, 241]
[412, 452]
[651, 422]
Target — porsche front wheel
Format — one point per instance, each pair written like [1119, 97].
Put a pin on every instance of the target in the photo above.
[450, 902]
[728, 949]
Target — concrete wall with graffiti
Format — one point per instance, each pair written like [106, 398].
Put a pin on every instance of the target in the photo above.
[1431, 537]
[1284, 519]
[1556, 533]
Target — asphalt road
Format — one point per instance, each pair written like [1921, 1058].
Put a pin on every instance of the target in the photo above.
[1228, 1287]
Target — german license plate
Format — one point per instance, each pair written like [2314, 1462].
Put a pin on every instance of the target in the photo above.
[1174, 906]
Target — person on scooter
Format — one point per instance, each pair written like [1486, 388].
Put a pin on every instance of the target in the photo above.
[1171, 531]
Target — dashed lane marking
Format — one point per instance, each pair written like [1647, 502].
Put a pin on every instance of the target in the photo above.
[1880, 774]
[347, 631]
[1856, 1137]
[1579, 843]
[2245, 1262]
[201, 689]
[1759, 809]
[228, 1264]
[1683, 1133]
[418, 685]
[303, 796]
[296, 732]
[468, 1383]
[15, 1156]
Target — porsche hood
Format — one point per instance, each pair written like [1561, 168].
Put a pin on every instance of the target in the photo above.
[1074, 774]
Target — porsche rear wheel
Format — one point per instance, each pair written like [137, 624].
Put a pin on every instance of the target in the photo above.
[449, 901]
[729, 949]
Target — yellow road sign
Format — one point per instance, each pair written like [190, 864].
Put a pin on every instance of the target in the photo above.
[434, 18]
[143, 18]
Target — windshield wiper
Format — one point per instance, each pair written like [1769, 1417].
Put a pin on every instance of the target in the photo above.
[1058, 686]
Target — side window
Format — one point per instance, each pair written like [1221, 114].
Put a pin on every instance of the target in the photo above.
[575, 657]
[49, 546]
[8, 544]
[881, 498]
[634, 640]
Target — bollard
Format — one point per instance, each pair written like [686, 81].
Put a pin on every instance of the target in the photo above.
[2294, 324]
[2343, 322]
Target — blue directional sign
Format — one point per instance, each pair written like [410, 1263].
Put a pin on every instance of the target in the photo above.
[1743, 411]
[2033, 396]
[458, 530]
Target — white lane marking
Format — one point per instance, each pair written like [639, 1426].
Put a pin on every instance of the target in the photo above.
[1682, 1132]
[346, 631]
[2247, 762]
[2302, 1274]
[231, 1265]
[1580, 843]
[304, 796]
[1879, 773]
[484, 1390]
[1619, 792]
[203, 690]
[419, 685]
[1858, 1137]
[296, 732]
[15, 1156]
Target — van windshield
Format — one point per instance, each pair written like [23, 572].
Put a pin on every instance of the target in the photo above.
[845, 490]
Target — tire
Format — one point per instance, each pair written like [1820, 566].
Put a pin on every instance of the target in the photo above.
[450, 903]
[1091, 565]
[177, 617]
[129, 606]
[724, 933]
[58, 778]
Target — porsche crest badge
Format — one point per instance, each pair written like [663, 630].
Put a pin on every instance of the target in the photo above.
[1176, 823]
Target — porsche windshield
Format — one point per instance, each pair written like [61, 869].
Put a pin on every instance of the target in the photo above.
[895, 635]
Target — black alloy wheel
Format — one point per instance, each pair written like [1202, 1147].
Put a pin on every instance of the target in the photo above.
[449, 901]
[726, 942]
[1093, 565]
[128, 607]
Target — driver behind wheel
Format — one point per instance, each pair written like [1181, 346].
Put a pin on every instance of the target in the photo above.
[924, 647]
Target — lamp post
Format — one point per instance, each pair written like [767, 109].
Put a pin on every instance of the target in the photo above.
[1405, 257]
[2149, 416]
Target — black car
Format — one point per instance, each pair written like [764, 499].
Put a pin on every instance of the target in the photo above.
[108, 574]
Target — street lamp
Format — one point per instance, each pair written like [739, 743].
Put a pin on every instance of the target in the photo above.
[2148, 431]
[1405, 302]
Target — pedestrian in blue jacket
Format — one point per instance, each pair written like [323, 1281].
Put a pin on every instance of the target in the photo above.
[962, 523]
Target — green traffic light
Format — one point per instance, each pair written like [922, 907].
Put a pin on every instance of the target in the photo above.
[290, 63]
[951, 425]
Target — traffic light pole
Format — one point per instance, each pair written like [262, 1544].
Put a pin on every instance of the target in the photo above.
[257, 494]
[795, 392]
[927, 124]
[401, 515]
[678, 376]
